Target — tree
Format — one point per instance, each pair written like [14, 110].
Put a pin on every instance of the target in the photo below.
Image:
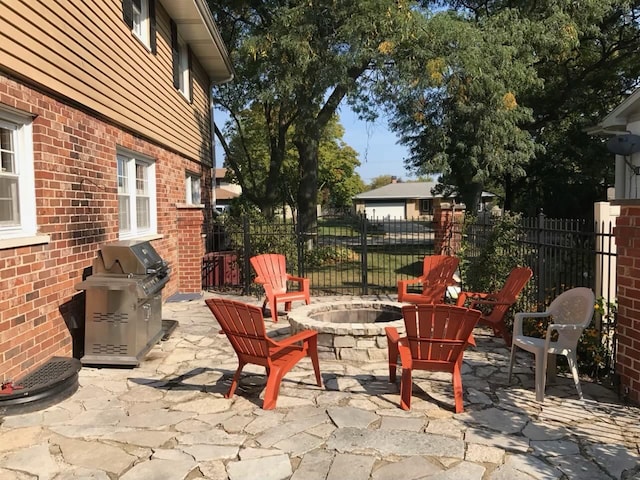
[511, 87]
[299, 60]
[248, 157]
[381, 181]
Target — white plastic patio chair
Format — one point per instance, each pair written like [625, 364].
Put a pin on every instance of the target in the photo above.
[571, 312]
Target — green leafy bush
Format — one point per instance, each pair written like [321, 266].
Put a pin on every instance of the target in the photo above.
[487, 260]
[330, 255]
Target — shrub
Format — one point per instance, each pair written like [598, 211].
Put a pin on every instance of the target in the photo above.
[486, 261]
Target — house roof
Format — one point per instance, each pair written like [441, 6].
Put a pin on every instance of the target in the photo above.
[617, 120]
[400, 190]
[224, 194]
[404, 190]
[198, 29]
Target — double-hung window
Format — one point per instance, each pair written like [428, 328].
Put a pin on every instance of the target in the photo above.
[139, 15]
[192, 189]
[136, 195]
[17, 186]
[181, 57]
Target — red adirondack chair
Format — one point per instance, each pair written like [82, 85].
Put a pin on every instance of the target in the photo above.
[271, 270]
[496, 305]
[244, 326]
[437, 275]
[437, 336]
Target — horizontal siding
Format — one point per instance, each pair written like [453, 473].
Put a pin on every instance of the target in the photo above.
[85, 52]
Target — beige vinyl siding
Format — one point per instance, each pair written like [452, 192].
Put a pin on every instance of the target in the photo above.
[84, 51]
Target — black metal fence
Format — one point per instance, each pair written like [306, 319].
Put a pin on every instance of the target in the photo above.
[353, 255]
[344, 255]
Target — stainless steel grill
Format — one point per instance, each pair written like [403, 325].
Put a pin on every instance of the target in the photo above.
[123, 314]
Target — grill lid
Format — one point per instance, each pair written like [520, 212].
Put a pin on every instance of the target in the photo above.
[130, 256]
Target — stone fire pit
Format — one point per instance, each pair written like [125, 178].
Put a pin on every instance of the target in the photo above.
[349, 330]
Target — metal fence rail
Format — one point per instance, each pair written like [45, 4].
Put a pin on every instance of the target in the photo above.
[353, 255]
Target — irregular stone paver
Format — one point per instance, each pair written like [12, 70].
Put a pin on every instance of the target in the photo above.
[576, 467]
[506, 442]
[393, 442]
[615, 459]
[314, 466]
[95, 455]
[466, 470]
[495, 419]
[399, 423]
[351, 417]
[354, 467]
[36, 460]
[410, 468]
[168, 418]
[276, 467]
[160, 470]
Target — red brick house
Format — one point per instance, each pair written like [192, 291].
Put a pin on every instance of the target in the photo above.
[105, 134]
[622, 121]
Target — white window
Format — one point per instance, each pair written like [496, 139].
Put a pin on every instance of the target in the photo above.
[192, 189]
[17, 186]
[183, 69]
[141, 20]
[136, 195]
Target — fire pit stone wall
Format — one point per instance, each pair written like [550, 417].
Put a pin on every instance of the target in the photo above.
[352, 331]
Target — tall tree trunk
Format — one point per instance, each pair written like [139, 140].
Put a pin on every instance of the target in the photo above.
[307, 147]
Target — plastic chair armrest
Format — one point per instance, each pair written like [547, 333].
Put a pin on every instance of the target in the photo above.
[518, 320]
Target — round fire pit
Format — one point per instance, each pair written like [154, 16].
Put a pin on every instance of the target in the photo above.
[349, 330]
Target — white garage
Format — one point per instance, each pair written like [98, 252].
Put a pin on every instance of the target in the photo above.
[385, 210]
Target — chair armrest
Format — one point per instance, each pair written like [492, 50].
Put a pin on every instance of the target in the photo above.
[410, 281]
[403, 284]
[519, 317]
[464, 296]
[303, 281]
[405, 354]
[298, 337]
[392, 334]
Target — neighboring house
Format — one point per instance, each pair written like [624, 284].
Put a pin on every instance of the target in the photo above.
[404, 200]
[625, 119]
[105, 134]
[225, 192]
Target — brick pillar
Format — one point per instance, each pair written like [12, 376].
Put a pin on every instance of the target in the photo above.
[447, 221]
[190, 248]
[627, 233]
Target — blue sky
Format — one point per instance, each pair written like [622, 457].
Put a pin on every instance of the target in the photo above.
[377, 147]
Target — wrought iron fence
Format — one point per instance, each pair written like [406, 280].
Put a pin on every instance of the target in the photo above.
[563, 254]
[344, 255]
[358, 256]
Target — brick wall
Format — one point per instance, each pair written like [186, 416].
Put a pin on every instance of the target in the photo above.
[627, 232]
[447, 225]
[190, 249]
[76, 205]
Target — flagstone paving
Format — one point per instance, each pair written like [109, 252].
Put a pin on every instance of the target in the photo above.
[168, 419]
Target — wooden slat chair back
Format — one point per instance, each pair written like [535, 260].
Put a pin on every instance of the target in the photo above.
[243, 325]
[436, 338]
[496, 305]
[271, 270]
[437, 274]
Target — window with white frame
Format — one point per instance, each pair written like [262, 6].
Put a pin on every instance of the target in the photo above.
[17, 186]
[136, 195]
[183, 69]
[181, 62]
[139, 15]
[192, 189]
